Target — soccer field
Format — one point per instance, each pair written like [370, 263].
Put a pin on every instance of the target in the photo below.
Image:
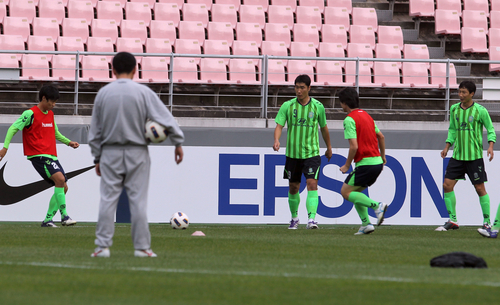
[245, 264]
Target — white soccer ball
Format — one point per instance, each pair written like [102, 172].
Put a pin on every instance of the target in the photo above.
[155, 132]
[179, 221]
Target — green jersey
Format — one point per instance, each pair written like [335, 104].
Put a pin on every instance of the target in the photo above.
[466, 131]
[302, 140]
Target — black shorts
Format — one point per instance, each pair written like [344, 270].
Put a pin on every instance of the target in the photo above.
[294, 168]
[46, 167]
[364, 175]
[456, 170]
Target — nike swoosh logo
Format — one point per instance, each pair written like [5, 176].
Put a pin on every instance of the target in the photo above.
[13, 194]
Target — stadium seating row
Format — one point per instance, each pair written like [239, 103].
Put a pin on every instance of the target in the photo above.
[426, 8]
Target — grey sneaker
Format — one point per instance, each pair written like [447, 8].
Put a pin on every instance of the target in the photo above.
[48, 224]
[294, 224]
[365, 230]
[101, 252]
[449, 225]
[67, 221]
[380, 212]
[144, 253]
[311, 224]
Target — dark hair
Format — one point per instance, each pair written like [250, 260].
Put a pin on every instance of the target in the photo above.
[124, 62]
[303, 78]
[467, 84]
[50, 92]
[350, 97]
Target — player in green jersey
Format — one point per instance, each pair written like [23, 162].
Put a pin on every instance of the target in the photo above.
[302, 115]
[467, 120]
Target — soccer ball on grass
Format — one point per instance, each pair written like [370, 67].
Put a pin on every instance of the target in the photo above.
[179, 221]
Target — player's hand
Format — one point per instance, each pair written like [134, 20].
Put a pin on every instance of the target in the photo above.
[73, 144]
[328, 154]
[490, 154]
[444, 152]
[344, 168]
[179, 154]
[276, 145]
[98, 169]
[3, 152]
[385, 160]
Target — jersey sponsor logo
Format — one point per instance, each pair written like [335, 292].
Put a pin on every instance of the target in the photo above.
[14, 194]
[47, 124]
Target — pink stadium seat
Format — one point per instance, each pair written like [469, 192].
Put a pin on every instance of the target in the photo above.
[185, 70]
[3, 11]
[195, 12]
[364, 75]
[495, 19]
[330, 49]
[494, 54]
[242, 71]
[276, 48]
[252, 14]
[416, 75]
[180, 3]
[447, 22]
[109, 10]
[306, 33]
[95, 69]
[422, 8]
[249, 32]
[263, 3]
[35, 67]
[495, 5]
[315, 3]
[334, 33]
[122, 2]
[105, 28]
[81, 9]
[246, 48]
[309, 15]
[225, 13]
[151, 3]
[101, 44]
[361, 50]
[365, 16]
[213, 71]
[300, 49]
[454, 5]
[12, 42]
[63, 67]
[207, 3]
[159, 45]
[337, 15]
[192, 30]
[46, 27]
[290, 3]
[386, 74]
[188, 46]
[478, 5]
[163, 29]
[138, 11]
[52, 9]
[392, 51]
[416, 51]
[362, 34]
[391, 35]
[70, 44]
[340, 3]
[16, 26]
[155, 69]
[276, 72]
[329, 73]
[168, 12]
[217, 47]
[23, 8]
[9, 61]
[221, 31]
[438, 75]
[298, 67]
[134, 29]
[475, 19]
[75, 27]
[278, 32]
[494, 38]
[280, 14]
[132, 45]
[41, 43]
[236, 3]
[474, 40]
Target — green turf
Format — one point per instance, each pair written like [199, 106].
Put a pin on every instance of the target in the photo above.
[245, 264]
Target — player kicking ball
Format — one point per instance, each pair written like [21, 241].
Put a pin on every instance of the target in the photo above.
[40, 133]
[365, 140]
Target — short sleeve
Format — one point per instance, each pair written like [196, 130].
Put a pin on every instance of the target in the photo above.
[349, 128]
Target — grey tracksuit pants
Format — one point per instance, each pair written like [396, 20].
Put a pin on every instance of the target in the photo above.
[124, 167]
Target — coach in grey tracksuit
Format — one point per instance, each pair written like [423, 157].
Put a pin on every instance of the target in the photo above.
[118, 144]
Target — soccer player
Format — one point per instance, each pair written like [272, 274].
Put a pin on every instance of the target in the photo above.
[367, 149]
[303, 114]
[467, 120]
[120, 151]
[40, 133]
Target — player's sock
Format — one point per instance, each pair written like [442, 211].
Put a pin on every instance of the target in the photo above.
[451, 205]
[61, 201]
[363, 214]
[496, 223]
[312, 204]
[485, 207]
[361, 199]
[293, 202]
[52, 208]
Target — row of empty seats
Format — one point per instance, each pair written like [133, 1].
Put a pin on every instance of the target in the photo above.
[426, 8]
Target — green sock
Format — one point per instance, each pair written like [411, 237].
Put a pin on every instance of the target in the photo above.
[293, 202]
[361, 199]
[312, 204]
[451, 205]
[484, 201]
[363, 214]
[61, 201]
[496, 224]
[52, 208]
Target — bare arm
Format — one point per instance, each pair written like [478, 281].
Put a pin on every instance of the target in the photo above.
[277, 134]
[381, 145]
[326, 136]
[353, 148]
[444, 152]
[490, 151]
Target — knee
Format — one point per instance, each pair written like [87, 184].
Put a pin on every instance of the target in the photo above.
[345, 193]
